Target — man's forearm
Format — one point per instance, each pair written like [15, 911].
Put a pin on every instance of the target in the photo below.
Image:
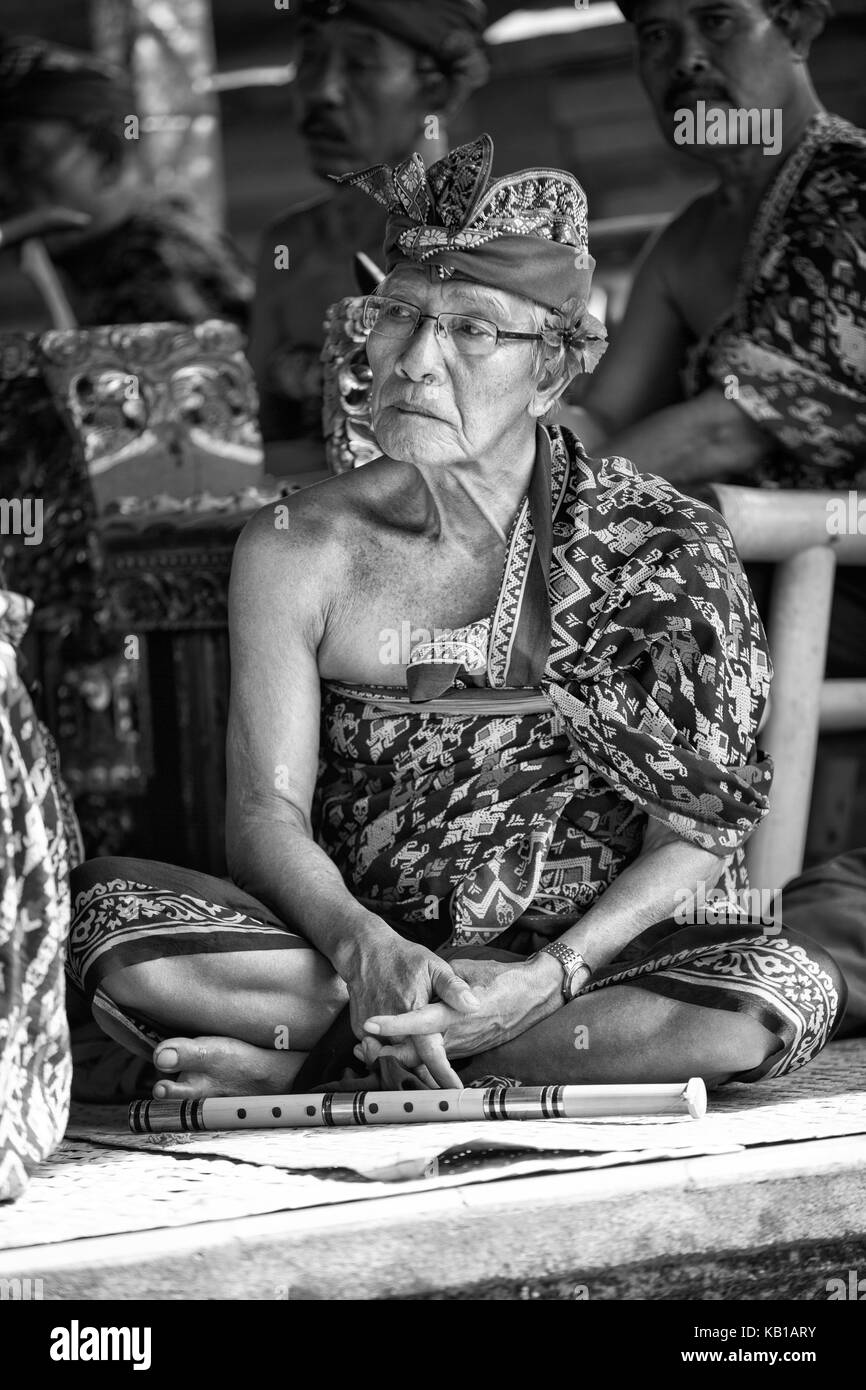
[280, 864]
[703, 438]
[647, 891]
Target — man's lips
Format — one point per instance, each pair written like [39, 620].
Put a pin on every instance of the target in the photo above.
[693, 95]
[324, 135]
[407, 408]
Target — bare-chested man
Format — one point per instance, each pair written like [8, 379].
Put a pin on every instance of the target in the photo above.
[491, 847]
[742, 352]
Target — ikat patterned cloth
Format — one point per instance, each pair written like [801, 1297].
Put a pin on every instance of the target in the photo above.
[792, 350]
[35, 1064]
[623, 604]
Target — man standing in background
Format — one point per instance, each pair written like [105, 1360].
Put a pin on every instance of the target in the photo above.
[754, 294]
[377, 79]
[742, 354]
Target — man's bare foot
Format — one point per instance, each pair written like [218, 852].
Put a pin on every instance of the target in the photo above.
[223, 1067]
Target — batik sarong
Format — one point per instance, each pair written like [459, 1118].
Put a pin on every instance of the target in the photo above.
[129, 910]
[35, 1066]
[792, 350]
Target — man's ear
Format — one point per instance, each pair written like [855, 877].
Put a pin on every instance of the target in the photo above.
[800, 23]
[553, 378]
[437, 94]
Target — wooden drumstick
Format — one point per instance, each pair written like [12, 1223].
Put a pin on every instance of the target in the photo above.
[332, 1108]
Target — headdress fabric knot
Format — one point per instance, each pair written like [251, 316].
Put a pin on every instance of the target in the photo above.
[525, 233]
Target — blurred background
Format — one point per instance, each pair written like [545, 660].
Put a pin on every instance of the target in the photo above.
[562, 91]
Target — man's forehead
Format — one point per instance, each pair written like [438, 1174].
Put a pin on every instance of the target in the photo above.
[455, 291]
[645, 10]
[353, 33]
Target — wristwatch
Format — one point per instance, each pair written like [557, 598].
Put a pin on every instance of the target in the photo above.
[572, 963]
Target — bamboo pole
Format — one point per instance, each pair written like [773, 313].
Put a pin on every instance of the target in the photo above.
[773, 524]
[843, 705]
[39, 268]
[805, 534]
[800, 603]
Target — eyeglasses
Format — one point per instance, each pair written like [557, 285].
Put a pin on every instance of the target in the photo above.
[472, 337]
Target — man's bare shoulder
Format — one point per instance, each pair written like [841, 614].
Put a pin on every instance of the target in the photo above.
[678, 237]
[311, 536]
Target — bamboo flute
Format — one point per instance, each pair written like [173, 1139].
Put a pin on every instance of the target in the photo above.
[330, 1109]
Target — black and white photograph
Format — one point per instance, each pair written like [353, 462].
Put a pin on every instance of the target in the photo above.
[433, 670]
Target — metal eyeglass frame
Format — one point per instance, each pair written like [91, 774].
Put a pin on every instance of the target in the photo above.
[442, 334]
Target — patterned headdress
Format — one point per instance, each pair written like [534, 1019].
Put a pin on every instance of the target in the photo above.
[824, 7]
[526, 232]
[442, 27]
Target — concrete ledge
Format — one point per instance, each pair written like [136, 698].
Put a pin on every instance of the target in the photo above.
[518, 1229]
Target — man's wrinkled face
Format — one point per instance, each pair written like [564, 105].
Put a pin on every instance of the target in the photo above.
[432, 406]
[728, 53]
[48, 164]
[362, 100]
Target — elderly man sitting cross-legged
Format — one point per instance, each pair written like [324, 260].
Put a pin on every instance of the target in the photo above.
[472, 850]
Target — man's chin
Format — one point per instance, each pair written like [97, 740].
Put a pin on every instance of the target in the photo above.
[703, 153]
[333, 157]
[412, 438]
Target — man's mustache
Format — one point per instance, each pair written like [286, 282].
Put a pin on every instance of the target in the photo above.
[685, 94]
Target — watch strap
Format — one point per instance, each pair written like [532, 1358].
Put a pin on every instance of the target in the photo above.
[572, 963]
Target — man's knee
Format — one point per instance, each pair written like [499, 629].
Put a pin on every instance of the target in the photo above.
[743, 1043]
[104, 869]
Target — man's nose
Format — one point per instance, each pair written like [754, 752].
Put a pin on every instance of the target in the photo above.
[324, 82]
[691, 54]
[421, 358]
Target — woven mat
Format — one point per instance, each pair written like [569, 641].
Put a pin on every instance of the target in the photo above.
[105, 1180]
[825, 1099]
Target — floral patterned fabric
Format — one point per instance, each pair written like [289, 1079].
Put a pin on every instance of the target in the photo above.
[785, 979]
[792, 350]
[35, 1066]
